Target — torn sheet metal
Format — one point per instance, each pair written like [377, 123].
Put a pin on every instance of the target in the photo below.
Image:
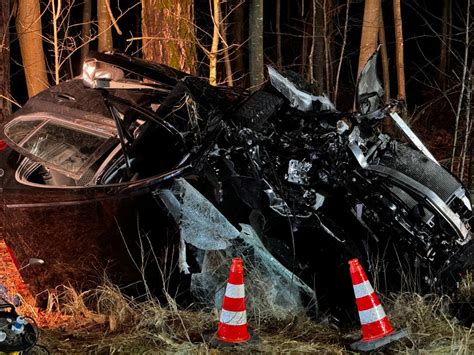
[272, 289]
[200, 223]
[358, 154]
[369, 89]
[411, 136]
[299, 99]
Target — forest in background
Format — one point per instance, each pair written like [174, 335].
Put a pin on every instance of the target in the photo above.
[425, 46]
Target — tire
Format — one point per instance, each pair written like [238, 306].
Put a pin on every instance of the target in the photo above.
[257, 109]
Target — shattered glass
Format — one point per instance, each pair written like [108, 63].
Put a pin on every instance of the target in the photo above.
[298, 172]
[200, 223]
[271, 289]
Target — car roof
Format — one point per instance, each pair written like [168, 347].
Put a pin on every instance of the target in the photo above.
[73, 102]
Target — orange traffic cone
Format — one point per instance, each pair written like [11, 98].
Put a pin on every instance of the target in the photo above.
[233, 319]
[375, 325]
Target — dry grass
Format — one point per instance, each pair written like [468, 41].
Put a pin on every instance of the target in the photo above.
[431, 327]
[107, 321]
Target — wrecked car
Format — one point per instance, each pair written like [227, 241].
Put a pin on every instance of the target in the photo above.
[108, 169]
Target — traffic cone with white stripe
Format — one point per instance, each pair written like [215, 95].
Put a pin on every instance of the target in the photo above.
[375, 325]
[233, 319]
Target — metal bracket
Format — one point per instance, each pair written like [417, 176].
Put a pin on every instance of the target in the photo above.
[411, 136]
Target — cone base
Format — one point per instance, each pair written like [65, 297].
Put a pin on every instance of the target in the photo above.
[242, 339]
[363, 345]
[376, 330]
[252, 343]
[232, 333]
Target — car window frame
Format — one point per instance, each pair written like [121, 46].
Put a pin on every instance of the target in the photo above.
[99, 131]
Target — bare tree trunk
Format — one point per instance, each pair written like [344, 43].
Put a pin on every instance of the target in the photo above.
[313, 44]
[330, 9]
[215, 43]
[327, 4]
[319, 47]
[104, 27]
[256, 44]
[86, 28]
[305, 58]
[225, 47]
[446, 24]
[168, 33]
[341, 55]
[467, 132]
[56, 10]
[238, 23]
[5, 106]
[383, 49]
[278, 33]
[399, 62]
[450, 36]
[28, 27]
[463, 84]
[370, 32]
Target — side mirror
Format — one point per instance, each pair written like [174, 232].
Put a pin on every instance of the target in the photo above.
[98, 75]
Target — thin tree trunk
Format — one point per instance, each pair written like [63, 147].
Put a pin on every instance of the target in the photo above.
[463, 84]
[399, 62]
[444, 43]
[383, 49]
[168, 33]
[225, 47]
[341, 56]
[370, 32]
[5, 106]
[467, 133]
[256, 44]
[104, 27]
[327, 47]
[56, 10]
[278, 33]
[238, 26]
[450, 36]
[307, 27]
[319, 48]
[215, 43]
[86, 28]
[313, 43]
[28, 26]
